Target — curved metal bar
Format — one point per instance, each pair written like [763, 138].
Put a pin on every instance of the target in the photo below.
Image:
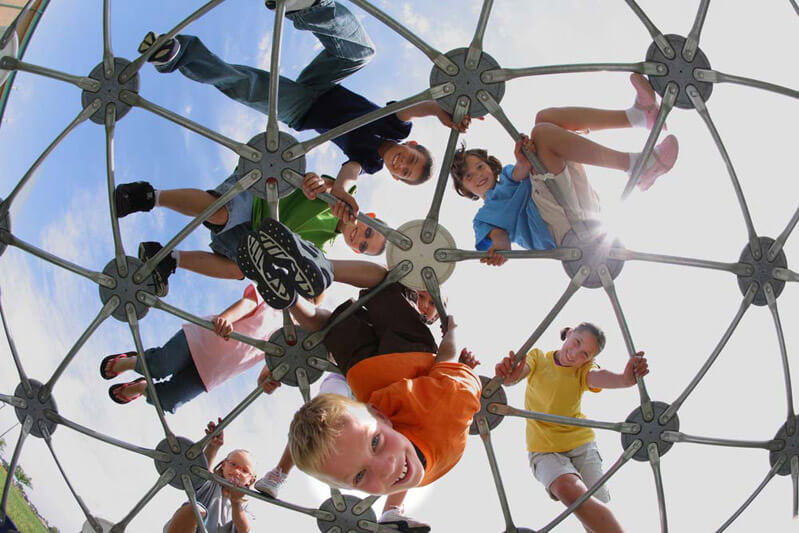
[338, 500]
[649, 68]
[162, 482]
[434, 288]
[678, 436]
[200, 445]
[244, 183]
[323, 365]
[676, 404]
[659, 38]
[442, 61]
[193, 495]
[272, 130]
[361, 507]
[779, 242]
[108, 54]
[575, 283]
[507, 410]
[244, 150]
[714, 76]
[795, 484]
[654, 461]
[82, 82]
[769, 476]
[451, 255]
[137, 63]
[476, 46]
[23, 11]
[109, 307]
[302, 381]
[771, 300]
[85, 113]
[622, 254]
[485, 436]
[785, 274]
[13, 400]
[795, 5]
[152, 454]
[12, 466]
[666, 105]
[23, 377]
[119, 249]
[701, 108]
[626, 456]
[692, 40]
[155, 302]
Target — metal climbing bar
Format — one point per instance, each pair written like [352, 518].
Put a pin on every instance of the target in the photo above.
[244, 183]
[485, 436]
[85, 113]
[676, 404]
[272, 130]
[129, 71]
[97, 277]
[119, 249]
[714, 76]
[582, 274]
[692, 40]
[195, 507]
[152, 454]
[769, 476]
[795, 484]
[82, 82]
[785, 274]
[666, 105]
[298, 150]
[626, 456]
[323, 364]
[451, 255]
[654, 461]
[430, 226]
[302, 382]
[108, 54]
[442, 61]
[795, 5]
[361, 507]
[200, 445]
[659, 38]
[771, 300]
[434, 288]
[476, 46]
[12, 466]
[23, 377]
[13, 400]
[162, 482]
[245, 151]
[610, 289]
[399, 271]
[678, 436]
[779, 242]
[701, 108]
[23, 10]
[133, 322]
[156, 303]
[622, 254]
[507, 410]
[649, 68]
[338, 499]
[104, 313]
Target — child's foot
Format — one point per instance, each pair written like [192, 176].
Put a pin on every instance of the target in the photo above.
[398, 519]
[113, 365]
[166, 53]
[270, 484]
[133, 198]
[645, 109]
[291, 5]
[661, 161]
[311, 272]
[273, 283]
[162, 271]
[123, 393]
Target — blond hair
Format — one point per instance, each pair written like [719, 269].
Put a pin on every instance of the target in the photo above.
[315, 429]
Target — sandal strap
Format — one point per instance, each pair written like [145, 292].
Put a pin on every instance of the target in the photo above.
[114, 391]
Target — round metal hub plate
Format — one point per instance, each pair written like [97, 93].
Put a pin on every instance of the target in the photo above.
[679, 71]
[467, 82]
[271, 164]
[595, 254]
[109, 90]
[5, 225]
[763, 269]
[790, 449]
[180, 463]
[126, 289]
[36, 409]
[296, 357]
[492, 419]
[346, 520]
[421, 254]
[9, 50]
[650, 431]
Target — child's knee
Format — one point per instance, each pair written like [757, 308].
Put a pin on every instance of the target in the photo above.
[567, 488]
[543, 115]
[220, 217]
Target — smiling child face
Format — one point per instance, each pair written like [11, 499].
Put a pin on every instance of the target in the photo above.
[578, 348]
[404, 162]
[478, 178]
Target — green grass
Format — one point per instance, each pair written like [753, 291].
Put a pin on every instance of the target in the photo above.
[22, 515]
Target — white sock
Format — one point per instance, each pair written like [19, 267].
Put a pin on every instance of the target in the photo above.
[176, 256]
[636, 117]
[634, 157]
[157, 194]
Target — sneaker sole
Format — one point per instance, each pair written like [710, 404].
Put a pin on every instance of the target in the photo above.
[280, 244]
[160, 285]
[272, 287]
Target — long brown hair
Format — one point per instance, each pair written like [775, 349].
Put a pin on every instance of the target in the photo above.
[458, 169]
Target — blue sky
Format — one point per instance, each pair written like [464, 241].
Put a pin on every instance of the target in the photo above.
[676, 314]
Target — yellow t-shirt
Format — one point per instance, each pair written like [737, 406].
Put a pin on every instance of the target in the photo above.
[555, 390]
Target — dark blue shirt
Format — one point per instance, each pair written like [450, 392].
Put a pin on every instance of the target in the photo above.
[340, 105]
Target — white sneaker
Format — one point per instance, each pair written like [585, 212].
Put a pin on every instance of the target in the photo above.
[397, 519]
[270, 484]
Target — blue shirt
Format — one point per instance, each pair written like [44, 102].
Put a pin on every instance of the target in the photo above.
[340, 105]
[509, 206]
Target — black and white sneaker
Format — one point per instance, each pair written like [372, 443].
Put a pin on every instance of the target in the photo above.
[272, 282]
[165, 53]
[311, 272]
[133, 198]
[162, 271]
[292, 5]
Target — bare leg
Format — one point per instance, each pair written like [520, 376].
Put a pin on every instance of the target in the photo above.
[394, 501]
[583, 118]
[555, 145]
[286, 463]
[210, 264]
[309, 318]
[364, 274]
[191, 202]
[183, 520]
[594, 515]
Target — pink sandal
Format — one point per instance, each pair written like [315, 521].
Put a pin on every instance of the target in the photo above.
[645, 99]
[661, 161]
[115, 391]
[109, 361]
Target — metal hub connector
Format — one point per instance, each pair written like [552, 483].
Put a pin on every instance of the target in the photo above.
[594, 255]
[110, 89]
[763, 271]
[467, 82]
[680, 71]
[36, 408]
[296, 358]
[492, 418]
[271, 164]
[126, 289]
[180, 463]
[650, 431]
[789, 450]
[345, 518]
[421, 254]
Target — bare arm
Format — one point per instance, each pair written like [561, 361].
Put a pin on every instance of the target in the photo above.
[447, 348]
[308, 317]
[347, 208]
[183, 520]
[240, 521]
[362, 274]
[224, 323]
[432, 109]
[604, 379]
[510, 375]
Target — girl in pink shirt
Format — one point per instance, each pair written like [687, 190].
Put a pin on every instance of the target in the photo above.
[197, 359]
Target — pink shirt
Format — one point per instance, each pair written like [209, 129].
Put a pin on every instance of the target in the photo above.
[218, 360]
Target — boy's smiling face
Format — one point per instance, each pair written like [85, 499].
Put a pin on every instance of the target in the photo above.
[371, 456]
[478, 178]
[578, 348]
[404, 162]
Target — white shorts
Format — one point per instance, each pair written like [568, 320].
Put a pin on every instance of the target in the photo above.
[335, 384]
[583, 461]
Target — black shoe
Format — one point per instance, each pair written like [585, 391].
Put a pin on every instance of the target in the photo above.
[291, 5]
[272, 282]
[166, 53]
[311, 272]
[133, 197]
[162, 271]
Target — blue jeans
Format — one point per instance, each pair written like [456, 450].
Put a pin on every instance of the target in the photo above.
[173, 359]
[347, 49]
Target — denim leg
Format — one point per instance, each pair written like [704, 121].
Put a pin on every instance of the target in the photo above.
[184, 386]
[244, 84]
[167, 360]
[347, 46]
